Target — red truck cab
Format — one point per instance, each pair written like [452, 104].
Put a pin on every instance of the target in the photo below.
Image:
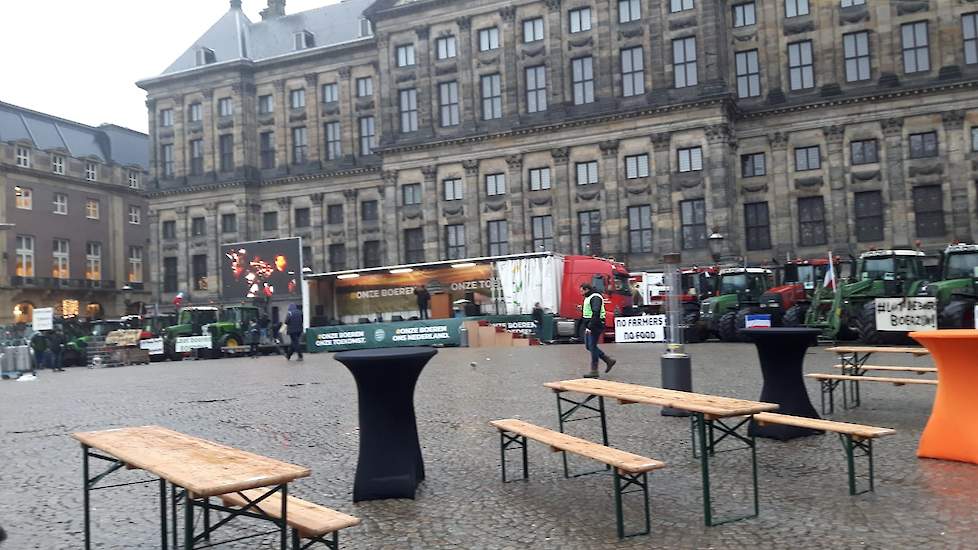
[608, 277]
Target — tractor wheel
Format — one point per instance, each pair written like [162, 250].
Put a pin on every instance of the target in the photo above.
[958, 313]
[741, 321]
[795, 316]
[694, 332]
[727, 327]
[865, 326]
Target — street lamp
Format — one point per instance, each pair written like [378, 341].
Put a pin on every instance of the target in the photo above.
[715, 244]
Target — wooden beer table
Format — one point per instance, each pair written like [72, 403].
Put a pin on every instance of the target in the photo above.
[853, 362]
[196, 470]
[711, 421]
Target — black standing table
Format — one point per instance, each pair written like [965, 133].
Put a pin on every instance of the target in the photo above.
[781, 351]
[390, 463]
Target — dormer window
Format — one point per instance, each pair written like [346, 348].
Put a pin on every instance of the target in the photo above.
[302, 40]
[205, 56]
[366, 28]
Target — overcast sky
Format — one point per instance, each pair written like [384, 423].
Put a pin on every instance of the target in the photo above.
[80, 59]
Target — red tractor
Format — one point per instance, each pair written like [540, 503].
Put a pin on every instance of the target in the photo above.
[698, 283]
[788, 302]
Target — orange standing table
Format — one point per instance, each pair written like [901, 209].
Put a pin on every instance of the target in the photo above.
[952, 430]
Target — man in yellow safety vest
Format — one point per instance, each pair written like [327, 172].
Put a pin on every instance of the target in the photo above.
[594, 324]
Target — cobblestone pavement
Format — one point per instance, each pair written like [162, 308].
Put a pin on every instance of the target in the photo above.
[305, 413]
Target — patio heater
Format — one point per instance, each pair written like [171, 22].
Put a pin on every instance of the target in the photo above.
[675, 363]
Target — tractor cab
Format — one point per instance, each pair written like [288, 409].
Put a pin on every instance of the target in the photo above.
[788, 302]
[899, 271]
[738, 293]
[957, 289]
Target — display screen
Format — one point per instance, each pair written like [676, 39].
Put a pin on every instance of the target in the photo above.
[261, 269]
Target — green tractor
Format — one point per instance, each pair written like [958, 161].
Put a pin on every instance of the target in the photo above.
[226, 327]
[958, 287]
[738, 293]
[850, 309]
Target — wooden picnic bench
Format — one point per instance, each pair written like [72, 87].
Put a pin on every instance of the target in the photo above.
[853, 360]
[857, 440]
[628, 469]
[709, 417]
[201, 469]
[309, 521]
[830, 381]
[891, 368]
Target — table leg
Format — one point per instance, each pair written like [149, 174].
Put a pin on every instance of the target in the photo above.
[284, 523]
[173, 515]
[163, 526]
[85, 498]
[565, 417]
[704, 440]
[188, 520]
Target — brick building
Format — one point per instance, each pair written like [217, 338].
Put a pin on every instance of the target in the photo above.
[76, 233]
[400, 131]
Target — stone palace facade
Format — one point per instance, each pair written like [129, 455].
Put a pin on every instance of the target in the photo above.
[399, 131]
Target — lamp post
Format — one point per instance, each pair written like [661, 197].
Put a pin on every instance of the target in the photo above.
[675, 363]
[715, 244]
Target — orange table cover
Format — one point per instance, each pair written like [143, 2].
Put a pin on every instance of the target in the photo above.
[952, 430]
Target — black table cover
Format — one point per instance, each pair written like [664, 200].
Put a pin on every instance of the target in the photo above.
[782, 352]
[390, 463]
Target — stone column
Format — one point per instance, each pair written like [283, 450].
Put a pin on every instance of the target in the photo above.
[387, 88]
[783, 234]
[893, 173]
[473, 207]
[210, 134]
[154, 147]
[613, 224]
[958, 171]
[562, 185]
[152, 257]
[509, 65]
[517, 210]
[349, 130]
[467, 88]
[424, 68]
[282, 136]
[838, 232]
[712, 53]
[213, 223]
[557, 66]
[606, 58]
[429, 212]
[389, 220]
[769, 35]
[949, 37]
[722, 186]
[316, 149]
[183, 249]
[666, 224]
[351, 220]
[318, 215]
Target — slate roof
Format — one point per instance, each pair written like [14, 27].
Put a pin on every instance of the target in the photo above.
[235, 37]
[108, 143]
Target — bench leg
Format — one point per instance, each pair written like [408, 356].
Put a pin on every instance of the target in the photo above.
[705, 442]
[828, 389]
[333, 542]
[858, 449]
[622, 482]
[515, 441]
[163, 520]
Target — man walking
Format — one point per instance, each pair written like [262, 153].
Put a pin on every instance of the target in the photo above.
[293, 326]
[594, 321]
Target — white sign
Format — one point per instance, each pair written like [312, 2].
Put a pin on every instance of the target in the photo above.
[190, 343]
[43, 319]
[647, 328]
[906, 314]
[758, 321]
[153, 345]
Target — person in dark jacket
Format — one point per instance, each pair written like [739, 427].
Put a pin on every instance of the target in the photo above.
[538, 318]
[39, 343]
[293, 326]
[56, 350]
[594, 322]
[423, 299]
